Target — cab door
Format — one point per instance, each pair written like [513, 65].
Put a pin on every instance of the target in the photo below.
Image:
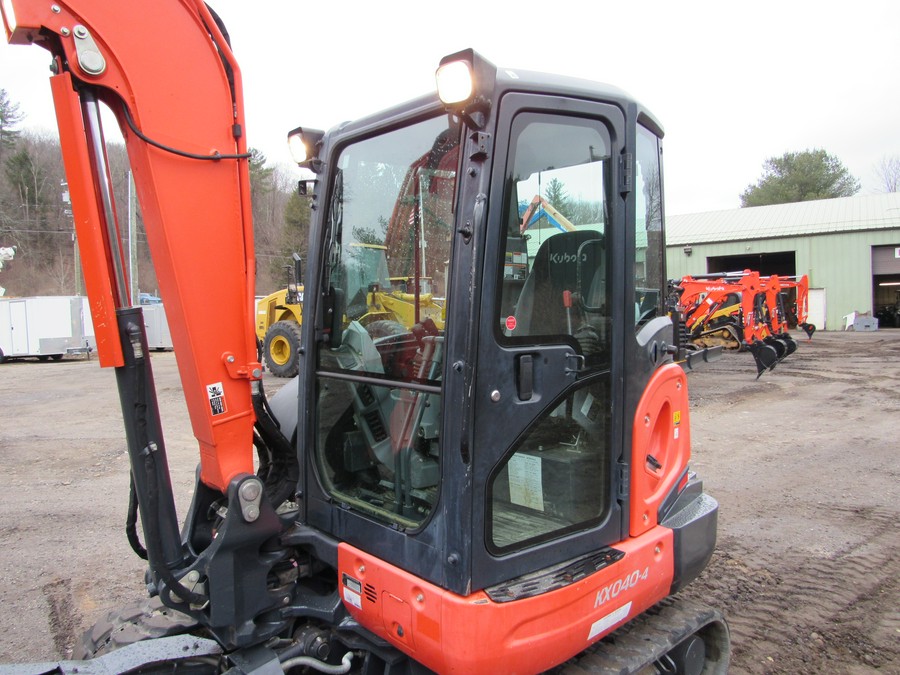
[545, 421]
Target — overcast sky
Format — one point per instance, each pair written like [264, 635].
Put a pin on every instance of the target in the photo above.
[733, 83]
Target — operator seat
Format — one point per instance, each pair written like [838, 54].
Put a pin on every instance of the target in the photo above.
[540, 309]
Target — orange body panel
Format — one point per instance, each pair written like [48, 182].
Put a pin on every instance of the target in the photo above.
[454, 634]
[196, 213]
[662, 431]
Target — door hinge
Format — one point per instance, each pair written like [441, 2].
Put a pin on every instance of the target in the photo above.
[623, 481]
[626, 172]
[481, 146]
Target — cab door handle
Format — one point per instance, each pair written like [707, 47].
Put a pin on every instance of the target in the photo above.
[525, 376]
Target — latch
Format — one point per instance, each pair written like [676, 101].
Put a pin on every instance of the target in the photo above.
[574, 364]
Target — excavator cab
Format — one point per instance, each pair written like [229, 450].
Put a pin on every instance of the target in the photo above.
[488, 468]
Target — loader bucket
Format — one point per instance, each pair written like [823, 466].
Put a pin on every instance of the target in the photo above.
[789, 342]
[809, 329]
[779, 345]
[765, 356]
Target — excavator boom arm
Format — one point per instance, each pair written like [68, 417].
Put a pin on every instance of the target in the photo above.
[179, 107]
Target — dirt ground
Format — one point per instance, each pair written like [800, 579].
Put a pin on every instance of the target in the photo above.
[804, 463]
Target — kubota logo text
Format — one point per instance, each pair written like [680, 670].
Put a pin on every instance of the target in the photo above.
[557, 258]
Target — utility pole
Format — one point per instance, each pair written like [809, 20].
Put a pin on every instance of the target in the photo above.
[67, 200]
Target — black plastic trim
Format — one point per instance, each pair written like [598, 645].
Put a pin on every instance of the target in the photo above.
[693, 523]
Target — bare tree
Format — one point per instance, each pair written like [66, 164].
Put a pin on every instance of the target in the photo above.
[888, 173]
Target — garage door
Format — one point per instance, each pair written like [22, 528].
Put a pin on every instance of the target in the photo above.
[886, 259]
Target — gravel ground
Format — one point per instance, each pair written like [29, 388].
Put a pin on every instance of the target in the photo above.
[804, 462]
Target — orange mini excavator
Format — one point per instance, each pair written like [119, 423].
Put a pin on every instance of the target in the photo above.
[508, 492]
[741, 311]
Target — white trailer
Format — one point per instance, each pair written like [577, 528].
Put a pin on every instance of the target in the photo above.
[158, 336]
[45, 327]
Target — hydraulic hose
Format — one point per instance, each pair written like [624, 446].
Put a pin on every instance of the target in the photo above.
[321, 666]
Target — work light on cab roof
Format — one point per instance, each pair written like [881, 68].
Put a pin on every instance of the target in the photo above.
[454, 82]
[465, 83]
[304, 146]
[9, 16]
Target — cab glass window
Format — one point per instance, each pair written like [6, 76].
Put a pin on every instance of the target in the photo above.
[379, 373]
[649, 250]
[554, 273]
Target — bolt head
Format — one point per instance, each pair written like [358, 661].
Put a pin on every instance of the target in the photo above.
[250, 490]
[91, 62]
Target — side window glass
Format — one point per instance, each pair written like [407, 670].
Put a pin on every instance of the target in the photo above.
[649, 252]
[379, 391]
[555, 267]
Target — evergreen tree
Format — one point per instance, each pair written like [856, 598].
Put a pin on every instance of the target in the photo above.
[799, 177]
[10, 118]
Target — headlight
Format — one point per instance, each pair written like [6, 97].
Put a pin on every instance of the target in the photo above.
[298, 148]
[465, 82]
[304, 147]
[454, 82]
[9, 15]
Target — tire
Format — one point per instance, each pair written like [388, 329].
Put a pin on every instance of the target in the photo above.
[57, 357]
[143, 620]
[282, 348]
[43, 358]
[2, 357]
[385, 328]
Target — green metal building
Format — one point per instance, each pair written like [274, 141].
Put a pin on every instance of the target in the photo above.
[849, 247]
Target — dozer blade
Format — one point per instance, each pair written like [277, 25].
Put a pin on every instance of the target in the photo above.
[809, 329]
[765, 356]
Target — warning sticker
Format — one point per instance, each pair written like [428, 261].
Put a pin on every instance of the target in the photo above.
[216, 394]
[676, 417]
[510, 323]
